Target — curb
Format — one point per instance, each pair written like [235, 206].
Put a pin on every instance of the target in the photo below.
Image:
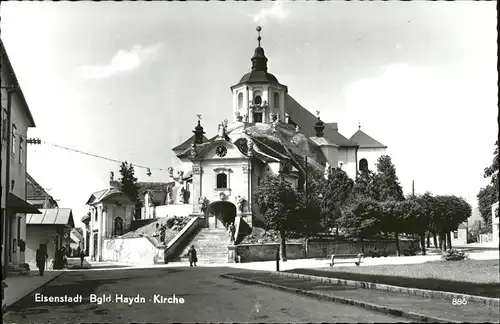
[378, 308]
[8, 307]
[402, 290]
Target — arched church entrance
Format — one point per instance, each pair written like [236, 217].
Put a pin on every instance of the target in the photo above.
[221, 214]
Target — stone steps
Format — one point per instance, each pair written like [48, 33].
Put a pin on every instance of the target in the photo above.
[210, 245]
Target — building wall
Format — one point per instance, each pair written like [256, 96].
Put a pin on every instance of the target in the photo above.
[371, 155]
[347, 155]
[36, 235]
[331, 154]
[138, 251]
[17, 165]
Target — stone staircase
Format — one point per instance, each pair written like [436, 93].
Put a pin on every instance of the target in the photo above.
[210, 244]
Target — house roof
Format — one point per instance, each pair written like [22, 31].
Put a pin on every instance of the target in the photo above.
[19, 92]
[306, 121]
[187, 144]
[19, 205]
[366, 141]
[34, 191]
[56, 216]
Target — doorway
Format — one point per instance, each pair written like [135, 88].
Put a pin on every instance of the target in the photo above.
[221, 214]
[94, 255]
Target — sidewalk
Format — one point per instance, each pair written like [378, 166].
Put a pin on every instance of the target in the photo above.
[20, 286]
[414, 307]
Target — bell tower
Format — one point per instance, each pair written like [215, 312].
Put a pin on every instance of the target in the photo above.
[259, 97]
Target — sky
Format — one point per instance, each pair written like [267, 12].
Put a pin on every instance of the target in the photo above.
[125, 80]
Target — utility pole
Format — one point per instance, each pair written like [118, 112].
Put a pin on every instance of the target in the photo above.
[6, 225]
[413, 188]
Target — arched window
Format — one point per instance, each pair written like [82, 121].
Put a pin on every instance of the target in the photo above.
[257, 100]
[221, 181]
[276, 100]
[363, 165]
[240, 100]
[118, 228]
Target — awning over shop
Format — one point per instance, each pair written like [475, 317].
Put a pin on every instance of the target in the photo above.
[56, 216]
[19, 205]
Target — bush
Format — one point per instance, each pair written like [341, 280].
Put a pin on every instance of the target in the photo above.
[454, 255]
[411, 251]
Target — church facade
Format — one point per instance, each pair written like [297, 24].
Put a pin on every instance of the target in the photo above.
[269, 133]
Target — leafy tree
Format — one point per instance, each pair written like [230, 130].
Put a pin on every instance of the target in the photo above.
[386, 182]
[392, 220]
[489, 195]
[281, 205]
[449, 212]
[361, 219]
[365, 186]
[428, 202]
[130, 187]
[415, 219]
[335, 195]
[485, 198]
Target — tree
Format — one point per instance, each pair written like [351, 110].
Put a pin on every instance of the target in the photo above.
[392, 220]
[485, 198]
[427, 202]
[130, 187]
[364, 186]
[335, 195]
[386, 182]
[449, 212]
[280, 204]
[415, 219]
[489, 195]
[361, 219]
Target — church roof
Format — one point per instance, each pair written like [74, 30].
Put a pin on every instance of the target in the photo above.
[258, 77]
[366, 141]
[306, 121]
[187, 143]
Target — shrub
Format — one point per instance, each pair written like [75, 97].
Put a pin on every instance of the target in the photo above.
[374, 253]
[454, 255]
[170, 222]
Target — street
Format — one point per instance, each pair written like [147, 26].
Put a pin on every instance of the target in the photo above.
[206, 298]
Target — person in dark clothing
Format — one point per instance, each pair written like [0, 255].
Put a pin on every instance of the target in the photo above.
[41, 257]
[82, 257]
[192, 256]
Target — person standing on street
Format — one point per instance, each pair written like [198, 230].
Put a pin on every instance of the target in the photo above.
[41, 257]
[192, 256]
[82, 257]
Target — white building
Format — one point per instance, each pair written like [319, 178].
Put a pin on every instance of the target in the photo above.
[270, 132]
[13, 201]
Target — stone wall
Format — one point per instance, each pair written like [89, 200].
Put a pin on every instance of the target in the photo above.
[138, 250]
[179, 241]
[267, 252]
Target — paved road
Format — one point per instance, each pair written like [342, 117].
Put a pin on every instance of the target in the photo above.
[207, 298]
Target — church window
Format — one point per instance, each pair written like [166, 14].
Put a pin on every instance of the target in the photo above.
[276, 100]
[118, 230]
[363, 165]
[455, 234]
[258, 100]
[221, 181]
[240, 100]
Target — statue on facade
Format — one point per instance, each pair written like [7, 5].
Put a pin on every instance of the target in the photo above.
[240, 202]
[328, 169]
[250, 148]
[180, 174]
[180, 196]
[264, 104]
[111, 176]
[231, 231]
[238, 116]
[220, 132]
[297, 128]
[170, 171]
[170, 198]
[225, 123]
[245, 118]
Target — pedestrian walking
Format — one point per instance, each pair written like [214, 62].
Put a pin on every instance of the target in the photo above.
[192, 256]
[41, 258]
[82, 258]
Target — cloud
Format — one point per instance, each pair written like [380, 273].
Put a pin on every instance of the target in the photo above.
[122, 62]
[276, 11]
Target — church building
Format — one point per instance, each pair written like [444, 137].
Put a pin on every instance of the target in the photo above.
[269, 133]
